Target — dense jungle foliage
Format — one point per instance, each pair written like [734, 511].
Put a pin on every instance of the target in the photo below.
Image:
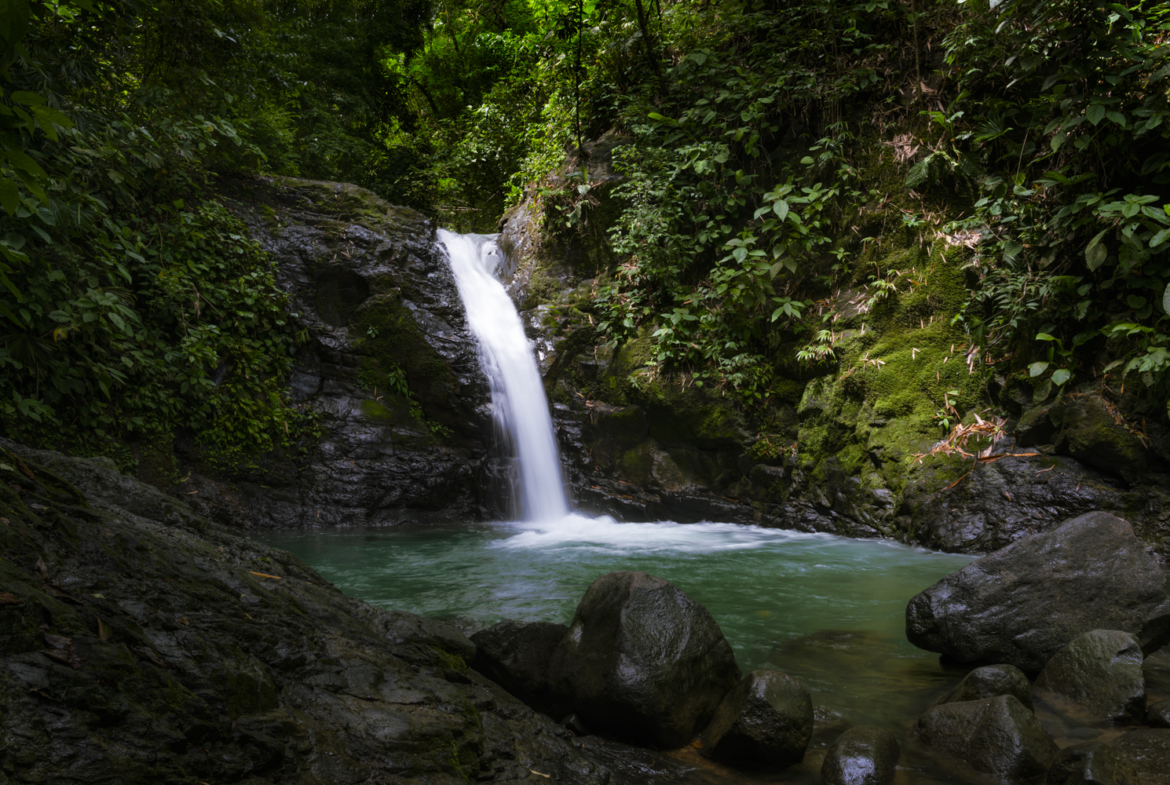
[1031, 134]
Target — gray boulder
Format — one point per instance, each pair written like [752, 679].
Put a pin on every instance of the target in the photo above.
[861, 756]
[1022, 603]
[997, 736]
[766, 719]
[1101, 671]
[1092, 763]
[1149, 751]
[516, 655]
[991, 681]
[1158, 714]
[643, 661]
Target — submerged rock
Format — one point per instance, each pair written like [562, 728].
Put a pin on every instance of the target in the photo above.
[997, 736]
[991, 681]
[1021, 604]
[643, 661]
[1100, 671]
[766, 719]
[861, 756]
[1092, 763]
[516, 655]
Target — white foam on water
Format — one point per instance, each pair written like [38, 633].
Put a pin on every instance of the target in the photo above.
[518, 401]
[605, 533]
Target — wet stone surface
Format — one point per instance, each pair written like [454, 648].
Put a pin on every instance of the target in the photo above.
[862, 756]
[642, 661]
[1100, 672]
[380, 308]
[1023, 603]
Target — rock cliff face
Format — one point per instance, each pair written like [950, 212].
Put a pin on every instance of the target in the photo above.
[388, 364]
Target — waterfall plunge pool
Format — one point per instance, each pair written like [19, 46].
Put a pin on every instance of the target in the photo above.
[826, 609]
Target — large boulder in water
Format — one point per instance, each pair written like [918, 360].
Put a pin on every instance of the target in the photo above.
[516, 655]
[767, 719]
[1100, 671]
[1022, 603]
[991, 681]
[643, 661]
[997, 736]
[861, 756]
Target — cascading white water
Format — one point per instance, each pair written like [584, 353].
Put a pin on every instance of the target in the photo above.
[518, 400]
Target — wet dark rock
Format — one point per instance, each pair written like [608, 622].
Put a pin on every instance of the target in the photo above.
[1093, 434]
[1158, 714]
[377, 299]
[864, 755]
[575, 725]
[1148, 750]
[1015, 497]
[516, 655]
[998, 736]
[1092, 763]
[141, 644]
[1101, 672]
[1023, 603]
[1039, 425]
[767, 719]
[643, 661]
[991, 681]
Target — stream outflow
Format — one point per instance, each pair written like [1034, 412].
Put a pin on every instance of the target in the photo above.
[519, 404]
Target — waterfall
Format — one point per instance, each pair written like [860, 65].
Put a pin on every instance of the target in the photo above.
[518, 401]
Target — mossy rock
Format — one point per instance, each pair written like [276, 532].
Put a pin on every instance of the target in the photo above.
[1094, 435]
[623, 427]
[388, 339]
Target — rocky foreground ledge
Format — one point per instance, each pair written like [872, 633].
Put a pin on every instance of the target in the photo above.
[140, 643]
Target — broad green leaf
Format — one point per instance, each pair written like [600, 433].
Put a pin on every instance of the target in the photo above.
[1135, 301]
[1160, 238]
[1044, 337]
[1096, 253]
[1116, 117]
[27, 98]
[780, 207]
[1166, 299]
[1096, 113]
[1035, 369]
[1061, 376]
